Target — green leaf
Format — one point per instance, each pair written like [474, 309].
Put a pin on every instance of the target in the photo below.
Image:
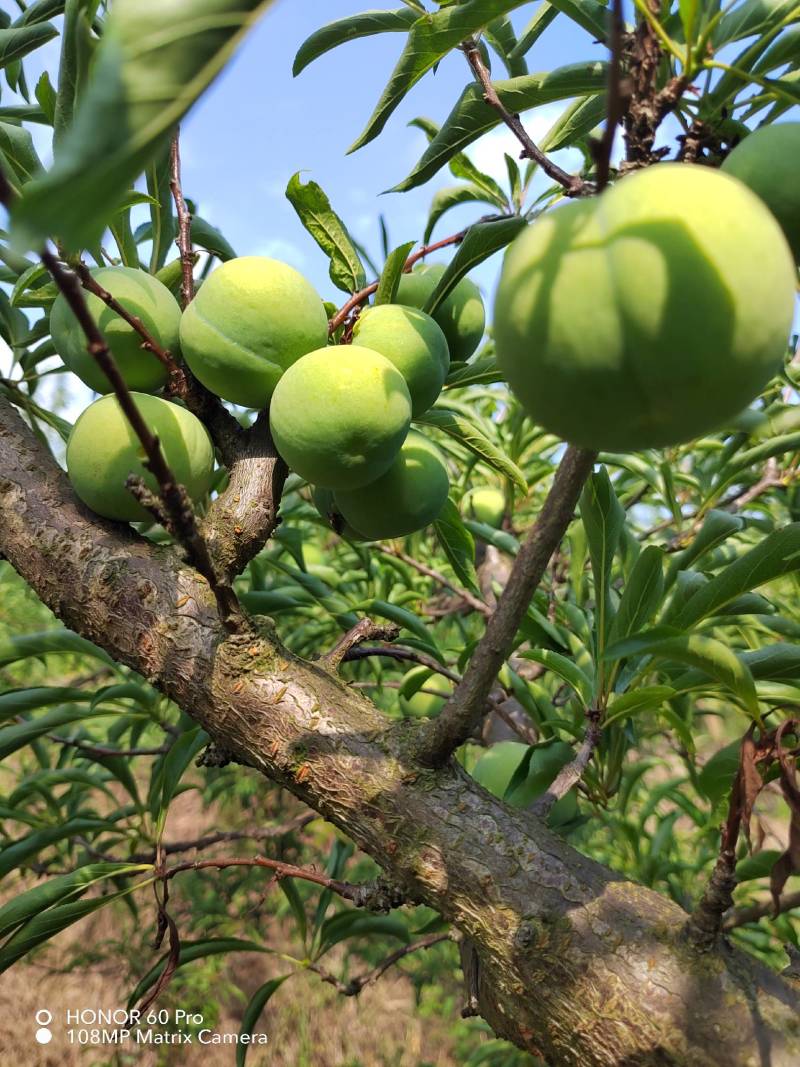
[190, 951]
[482, 371]
[637, 700]
[642, 596]
[480, 242]
[589, 14]
[15, 737]
[162, 221]
[567, 670]
[575, 123]
[21, 160]
[15, 854]
[759, 865]
[753, 18]
[543, 16]
[316, 214]
[41, 11]
[77, 45]
[717, 527]
[13, 649]
[209, 237]
[710, 656]
[367, 24]
[289, 890]
[176, 762]
[448, 197]
[55, 890]
[429, 40]
[404, 618]
[18, 41]
[603, 520]
[778, 554]
[345, 925]
[457, 544]
[154, 60]
[252, 1012]
[465, 431]
[19, 701]
[43, 927]
[471, 118]
[392, 273]
[716, 777]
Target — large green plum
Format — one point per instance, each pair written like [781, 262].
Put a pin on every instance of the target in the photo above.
[339, 416]
[424, 704]
[325, 504]
[486, 504]
[414, 342]
[251, 320]
[103, 450]
[408, 497]
[142, 295]
[461, 316]
[768, 162]
[647, 316]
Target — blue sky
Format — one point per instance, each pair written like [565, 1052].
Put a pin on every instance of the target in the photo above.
[258, 125]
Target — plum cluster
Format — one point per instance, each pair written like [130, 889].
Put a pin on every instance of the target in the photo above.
[256, 335]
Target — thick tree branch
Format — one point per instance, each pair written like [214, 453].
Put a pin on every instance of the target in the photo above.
[364, 630]
[463, 713]
[573, 960]
[571, 183]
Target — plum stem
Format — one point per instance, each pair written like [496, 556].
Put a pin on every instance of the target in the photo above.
[184, 238]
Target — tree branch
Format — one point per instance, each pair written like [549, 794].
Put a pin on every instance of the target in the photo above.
[570, 775]
[469, 598]
[364, 630]
[571, 183]
[556, 934]
[184, 238]
[355, 985]
[463, 713]
[615, 101]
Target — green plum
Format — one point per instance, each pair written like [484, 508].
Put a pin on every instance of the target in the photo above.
[486, 504]
[461, 316]
[326, 505]
[649, 315]
[339, 416]
[103, 450]
[414, 342]
[408, 497]
[768, 162]
[424, 705]
[251, 320]
[143, 296]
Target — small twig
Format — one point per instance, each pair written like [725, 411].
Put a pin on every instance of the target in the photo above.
[572, 184]
[184, 238]
[753, 912]
[410, 655]
[268, 833]
[441, 579]
[102, 750]
[375, 896]
[614, 109]
[570, 775]
[149, 343]
[355, 985]
[357, 299]
[463, 713]
[364, 630]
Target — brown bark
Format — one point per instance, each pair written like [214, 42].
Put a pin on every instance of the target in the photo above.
[573, 960]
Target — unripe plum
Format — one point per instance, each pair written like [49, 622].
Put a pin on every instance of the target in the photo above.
[461, 316]
[339, 416]
[486, 504]
[414, 342]
[768, 162]
[143, 296]
[103, 450]
[408, 497]
[325, 504]
[649, 315]
[424, 705]
[251, 320]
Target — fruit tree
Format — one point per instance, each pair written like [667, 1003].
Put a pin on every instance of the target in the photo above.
[480, 595]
